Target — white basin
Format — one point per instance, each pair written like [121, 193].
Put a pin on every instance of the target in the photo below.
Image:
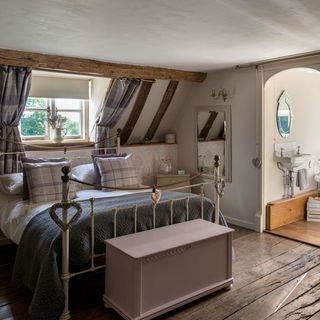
[292, 161]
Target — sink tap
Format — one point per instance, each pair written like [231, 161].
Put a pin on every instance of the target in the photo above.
[298, 150]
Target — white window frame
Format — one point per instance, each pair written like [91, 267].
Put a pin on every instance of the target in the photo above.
[84, 122]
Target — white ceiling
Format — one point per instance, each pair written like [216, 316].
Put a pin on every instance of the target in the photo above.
[195, 35]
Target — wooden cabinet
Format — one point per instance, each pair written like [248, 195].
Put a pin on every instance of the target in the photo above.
[170, 181]
[151, 272]
[285, 211]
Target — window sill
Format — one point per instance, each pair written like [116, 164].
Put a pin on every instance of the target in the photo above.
[47, 144]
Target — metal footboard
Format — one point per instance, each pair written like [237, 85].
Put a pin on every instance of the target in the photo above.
[67, 221]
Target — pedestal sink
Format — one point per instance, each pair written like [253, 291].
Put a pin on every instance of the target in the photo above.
[287, 163]
[292, 161]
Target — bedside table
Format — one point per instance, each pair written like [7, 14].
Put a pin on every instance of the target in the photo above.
[175, 181]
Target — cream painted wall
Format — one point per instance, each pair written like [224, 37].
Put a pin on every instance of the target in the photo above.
[303, 88]
[240, 202]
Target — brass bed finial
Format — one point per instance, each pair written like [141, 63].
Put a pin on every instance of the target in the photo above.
[216, 161]
[65, 170]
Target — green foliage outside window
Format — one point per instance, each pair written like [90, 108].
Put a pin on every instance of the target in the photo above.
[36, 103]
[34, 123]
[73, 128]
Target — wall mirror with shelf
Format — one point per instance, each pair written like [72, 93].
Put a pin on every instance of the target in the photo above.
[213, 136]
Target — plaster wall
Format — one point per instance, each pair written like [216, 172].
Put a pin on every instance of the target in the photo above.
[240, 203]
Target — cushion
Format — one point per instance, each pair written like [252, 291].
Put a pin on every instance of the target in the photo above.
[117, 172]
[104, 156]
[11, 184]
[44, 181]
[25, 192]
[84, 172]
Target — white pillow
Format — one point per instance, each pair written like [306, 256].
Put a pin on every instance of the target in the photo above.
[11, 183]
[84, 172]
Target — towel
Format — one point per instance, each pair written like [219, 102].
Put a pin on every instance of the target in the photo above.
[302, 179]
[313, 204]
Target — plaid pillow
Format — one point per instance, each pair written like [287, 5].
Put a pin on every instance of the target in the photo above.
[117, 172]
[44, 181]
[25, 191]
[104, 156]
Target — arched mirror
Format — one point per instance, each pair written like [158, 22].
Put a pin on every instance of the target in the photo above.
[284, 115]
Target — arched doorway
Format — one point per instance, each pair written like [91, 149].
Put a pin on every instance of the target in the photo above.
[302, 86]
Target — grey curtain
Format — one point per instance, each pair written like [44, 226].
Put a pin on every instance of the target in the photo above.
[15, 85]
[115, 102]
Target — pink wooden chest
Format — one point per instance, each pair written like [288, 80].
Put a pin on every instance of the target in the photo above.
[154, 271]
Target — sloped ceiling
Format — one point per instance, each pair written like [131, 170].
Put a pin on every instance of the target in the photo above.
[191, 35]
[99, 87]
[167, 124]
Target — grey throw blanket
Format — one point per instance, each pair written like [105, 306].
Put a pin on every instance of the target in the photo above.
[36, 265]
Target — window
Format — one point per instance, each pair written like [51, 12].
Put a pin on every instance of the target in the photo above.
[34, 124]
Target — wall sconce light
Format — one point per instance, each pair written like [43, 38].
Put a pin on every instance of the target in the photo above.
[222, 93]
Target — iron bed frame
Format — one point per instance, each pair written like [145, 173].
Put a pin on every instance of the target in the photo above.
[66, 221]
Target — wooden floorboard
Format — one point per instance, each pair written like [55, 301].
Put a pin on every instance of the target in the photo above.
[303, 231]
[266, 268]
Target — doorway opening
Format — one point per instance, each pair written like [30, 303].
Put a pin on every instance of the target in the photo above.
[291, 154]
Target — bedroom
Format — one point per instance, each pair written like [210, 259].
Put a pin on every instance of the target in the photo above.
[197, 39]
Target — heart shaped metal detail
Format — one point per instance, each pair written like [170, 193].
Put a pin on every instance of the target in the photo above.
[58, 221]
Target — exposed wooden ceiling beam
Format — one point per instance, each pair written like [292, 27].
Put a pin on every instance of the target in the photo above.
[164, 105]
[94, 67]
[136, 111]
[206, 128]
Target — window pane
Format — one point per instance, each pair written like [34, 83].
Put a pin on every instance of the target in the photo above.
[33, 123]
[40, 103]
[72, 123]
[68, 104]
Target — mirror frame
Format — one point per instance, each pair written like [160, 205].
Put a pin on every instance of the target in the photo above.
[284, 98]
[228, 140]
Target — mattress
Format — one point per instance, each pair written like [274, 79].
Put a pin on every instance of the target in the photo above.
[16, 213]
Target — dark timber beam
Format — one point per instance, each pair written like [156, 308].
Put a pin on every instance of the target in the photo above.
[136, 111]
[164, 105]
[205, 130]
[94, 67]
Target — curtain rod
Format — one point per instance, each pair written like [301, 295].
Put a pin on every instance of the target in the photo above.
[281, 59]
